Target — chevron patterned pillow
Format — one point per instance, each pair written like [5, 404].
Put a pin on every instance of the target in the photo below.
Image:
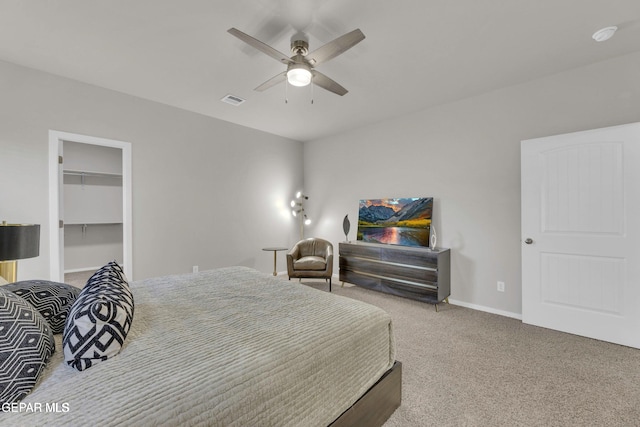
[26, 343]
[52, 299]
[99, 320]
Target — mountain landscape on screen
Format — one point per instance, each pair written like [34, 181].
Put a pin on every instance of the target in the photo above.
[404, 221]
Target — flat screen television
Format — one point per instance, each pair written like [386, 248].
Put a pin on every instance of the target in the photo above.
[405, 222]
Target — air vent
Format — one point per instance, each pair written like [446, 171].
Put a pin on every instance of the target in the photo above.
[233, 100]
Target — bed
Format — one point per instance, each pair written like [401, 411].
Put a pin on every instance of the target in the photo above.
[230, 347]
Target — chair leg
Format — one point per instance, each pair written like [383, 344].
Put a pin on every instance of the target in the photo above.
[329, 284]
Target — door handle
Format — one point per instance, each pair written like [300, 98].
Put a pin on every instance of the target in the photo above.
[528, 240]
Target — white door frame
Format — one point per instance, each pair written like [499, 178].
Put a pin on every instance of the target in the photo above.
[56, 138]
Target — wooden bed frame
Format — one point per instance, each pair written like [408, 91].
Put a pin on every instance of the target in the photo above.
[377, 404]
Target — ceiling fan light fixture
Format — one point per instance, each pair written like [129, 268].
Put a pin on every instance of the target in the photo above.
[299, 76]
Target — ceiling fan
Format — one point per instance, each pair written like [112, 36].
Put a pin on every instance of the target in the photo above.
[301, 66]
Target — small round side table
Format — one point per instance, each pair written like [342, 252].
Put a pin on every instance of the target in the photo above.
[275, 250]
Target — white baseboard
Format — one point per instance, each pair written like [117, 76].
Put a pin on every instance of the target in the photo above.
[478, 307]
[486, 309]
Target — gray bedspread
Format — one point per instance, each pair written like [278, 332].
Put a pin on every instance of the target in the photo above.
[227, 347]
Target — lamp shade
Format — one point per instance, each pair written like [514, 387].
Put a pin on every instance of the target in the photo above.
[19, 241]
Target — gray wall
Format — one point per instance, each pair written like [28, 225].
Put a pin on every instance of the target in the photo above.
[205, 192]
[210, 193]
[467, 155]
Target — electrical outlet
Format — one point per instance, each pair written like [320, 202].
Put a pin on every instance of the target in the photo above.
[500, 286]
[195, 269]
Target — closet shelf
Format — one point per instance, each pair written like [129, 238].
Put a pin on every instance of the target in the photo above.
[94, 223]
[90, 173]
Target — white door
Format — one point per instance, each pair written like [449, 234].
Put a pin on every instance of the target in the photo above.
[580, 233]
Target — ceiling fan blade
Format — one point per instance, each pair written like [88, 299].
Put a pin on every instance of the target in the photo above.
[335, 47]
[262, 47]
[325, 82]
[279, 78]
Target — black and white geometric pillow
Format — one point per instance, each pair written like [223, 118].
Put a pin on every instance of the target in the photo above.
[26, 343]
[99, 320]
[52, 299]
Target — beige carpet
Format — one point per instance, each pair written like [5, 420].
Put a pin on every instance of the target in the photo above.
[78, 279]
[463, 367]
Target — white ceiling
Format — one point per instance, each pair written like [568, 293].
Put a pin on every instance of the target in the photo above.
[417, 53]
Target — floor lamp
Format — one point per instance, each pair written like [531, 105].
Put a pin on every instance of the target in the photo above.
[297, 210]
[17, 241]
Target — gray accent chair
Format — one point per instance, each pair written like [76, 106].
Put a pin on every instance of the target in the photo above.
[311, 258]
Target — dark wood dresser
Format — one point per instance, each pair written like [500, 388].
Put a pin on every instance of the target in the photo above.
[418, 273]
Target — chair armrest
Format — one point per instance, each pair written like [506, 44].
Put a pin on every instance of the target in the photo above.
[294, 252]
[328, 251]
[292, 255]
[329, 267]
[329, 257]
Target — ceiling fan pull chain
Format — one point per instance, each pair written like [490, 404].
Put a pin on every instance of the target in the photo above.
[286, 91]
[312, 85]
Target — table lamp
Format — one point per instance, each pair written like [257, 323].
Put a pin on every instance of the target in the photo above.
[17, 241]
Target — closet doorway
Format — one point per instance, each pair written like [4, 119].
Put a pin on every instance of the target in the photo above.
[90, 200]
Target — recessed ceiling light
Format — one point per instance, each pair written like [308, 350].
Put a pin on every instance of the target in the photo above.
[604, 34]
